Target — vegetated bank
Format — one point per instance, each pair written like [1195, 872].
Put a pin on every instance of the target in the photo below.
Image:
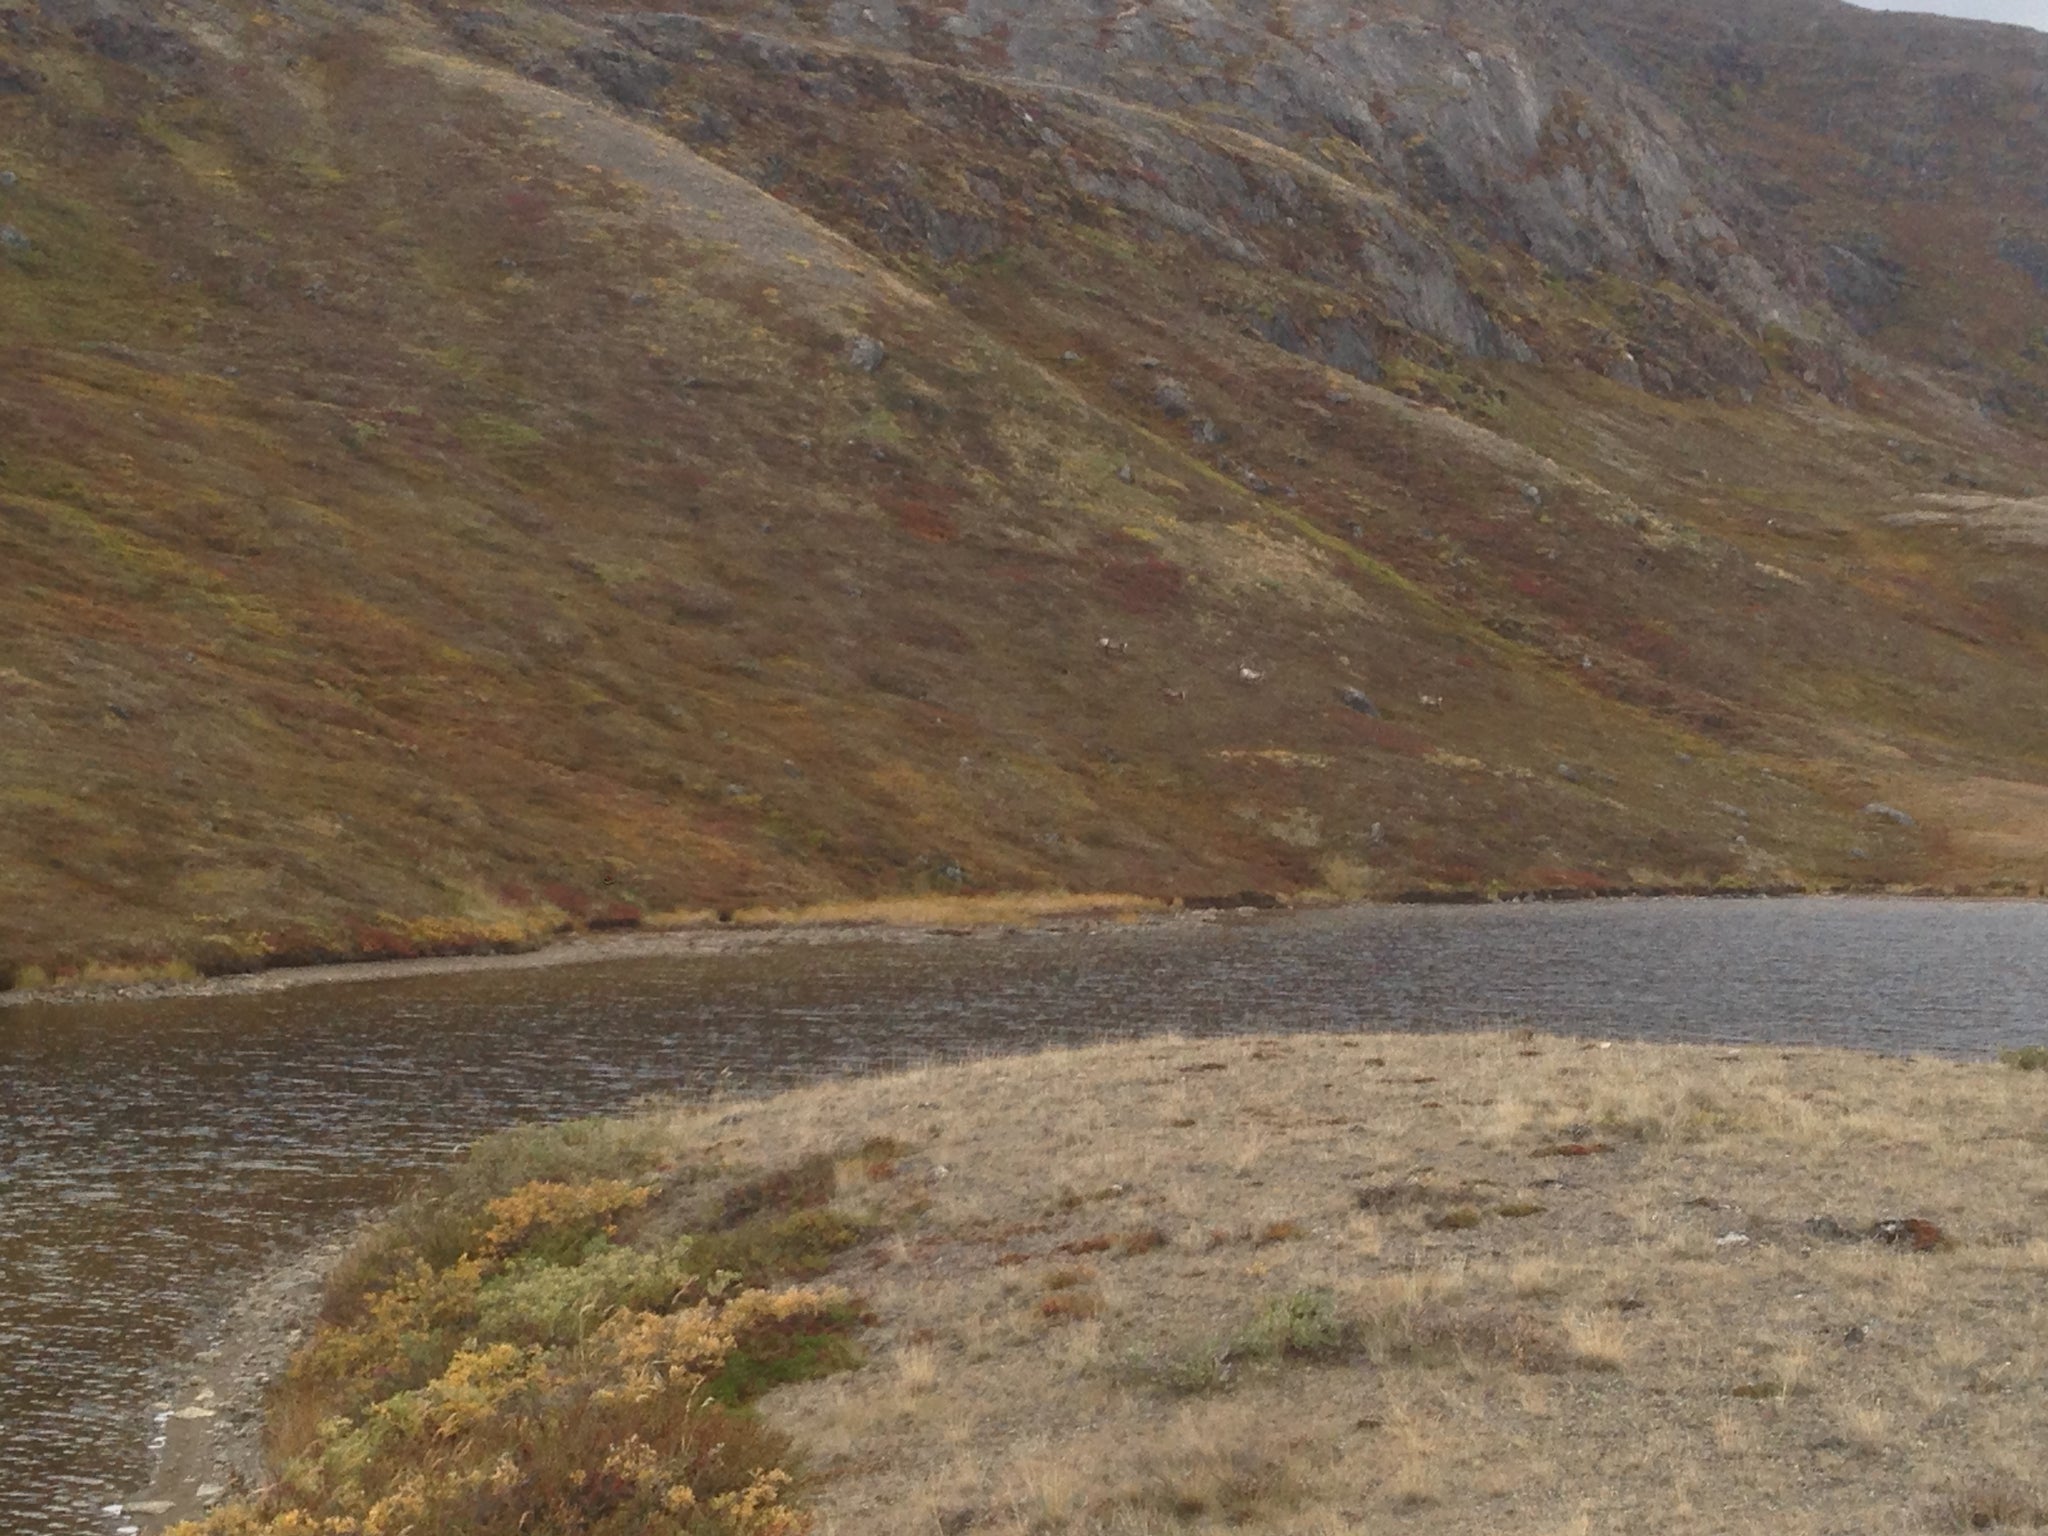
[907, 919]
[904, 919]
[1299, 1284]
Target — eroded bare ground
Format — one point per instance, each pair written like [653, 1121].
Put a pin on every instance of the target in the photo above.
[1469, 1284]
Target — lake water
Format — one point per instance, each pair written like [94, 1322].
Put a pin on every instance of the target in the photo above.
[153, 1155]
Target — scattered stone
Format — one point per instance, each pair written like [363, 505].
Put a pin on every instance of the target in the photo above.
[1150, 362]
[1070, 357]
[1856, 1333]
[210, 1493]
[1356, 700]
[1571, 773]
[1125, 473]
[8, 179]
[866, 354]
[151, 1507]
[193, 1412]
[1206, 431]
[1533, 494]
[1732, 1240]
[13, 239]
[1889, 813]
[1173, 398]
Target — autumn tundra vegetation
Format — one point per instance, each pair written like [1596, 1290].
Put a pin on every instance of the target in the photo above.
[470, 474]
[1310, 1284]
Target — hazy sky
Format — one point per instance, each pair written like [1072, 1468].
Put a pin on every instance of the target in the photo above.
[2028, 13]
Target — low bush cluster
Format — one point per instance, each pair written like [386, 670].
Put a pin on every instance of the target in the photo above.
[549, 1377]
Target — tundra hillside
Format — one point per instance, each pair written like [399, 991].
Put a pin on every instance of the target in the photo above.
[469, 471]
[1307, 1285]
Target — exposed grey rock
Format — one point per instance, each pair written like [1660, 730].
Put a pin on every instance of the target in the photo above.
[866, 354]
[1172, 397]
[1891, 813]
[1356, 699]
[630, 76]
[1571, 773]
[1863, 284]
[1340, 343]
[13, 239]
[126, 31]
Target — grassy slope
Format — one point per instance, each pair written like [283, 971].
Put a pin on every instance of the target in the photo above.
[1299, 1285]
[435, 510]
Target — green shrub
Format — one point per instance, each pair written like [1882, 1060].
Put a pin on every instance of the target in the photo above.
[799, 1246]
[535, 1302]
[1304, 1325]
[2026, 1058]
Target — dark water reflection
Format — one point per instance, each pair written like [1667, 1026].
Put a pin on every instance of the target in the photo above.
[153, 1154]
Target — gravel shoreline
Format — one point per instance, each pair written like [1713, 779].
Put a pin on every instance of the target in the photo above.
[583, 949]
[212, 1424]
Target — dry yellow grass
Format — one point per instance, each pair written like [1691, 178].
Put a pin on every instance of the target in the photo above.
[1691, 1332]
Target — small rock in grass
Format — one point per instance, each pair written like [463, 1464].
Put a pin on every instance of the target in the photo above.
[1173, 398]
[1889, 813]
[866, 354]
[1355, 699]
[13, 239]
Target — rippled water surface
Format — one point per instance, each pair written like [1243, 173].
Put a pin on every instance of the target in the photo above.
[153, 1154]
